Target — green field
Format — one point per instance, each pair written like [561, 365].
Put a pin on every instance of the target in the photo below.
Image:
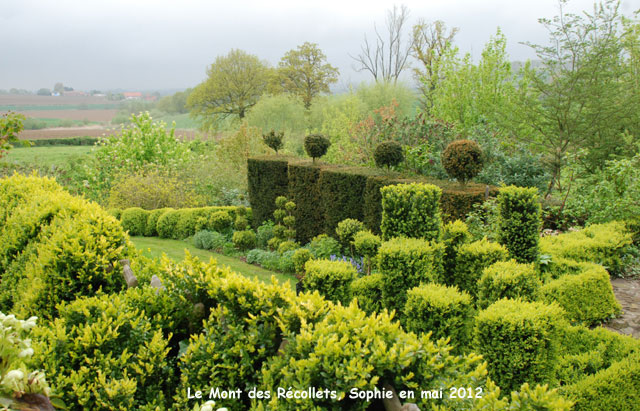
[154, 247]
[36, 107]
[183, 121]
[40, 123]
[44, 156]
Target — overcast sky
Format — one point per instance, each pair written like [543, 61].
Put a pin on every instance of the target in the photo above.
[161, 44]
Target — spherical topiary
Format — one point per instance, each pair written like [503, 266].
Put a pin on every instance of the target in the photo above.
[273, 140]
[316, 145]
[462, 159]
[388, 153]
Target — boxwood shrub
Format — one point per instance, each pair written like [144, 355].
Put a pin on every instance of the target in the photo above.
[102, 354]
[55, 247]
[587, 351]
[404, 264]
[603, 244]
[368, 290]
[134, 220]
[348, 349]
[245, 328]
[587, 297]
[151, 229]
[454, 234]
[508, 279]
[520, 342]
[244, 240]
[443, 310]
[167, 223]
[614, 388]
[472, 259]
[520, 222]
[411, 210]
[331, 278]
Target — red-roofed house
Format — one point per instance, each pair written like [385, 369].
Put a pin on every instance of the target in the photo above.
[133, 95]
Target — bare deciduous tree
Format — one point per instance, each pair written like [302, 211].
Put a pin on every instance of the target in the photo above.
[387, 58]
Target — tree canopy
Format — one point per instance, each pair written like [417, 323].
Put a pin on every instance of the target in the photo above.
[305, 72]
[235, 83]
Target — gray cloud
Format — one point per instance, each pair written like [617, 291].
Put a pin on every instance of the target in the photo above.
[147, 44]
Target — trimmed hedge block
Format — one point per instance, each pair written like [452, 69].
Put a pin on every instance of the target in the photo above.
[342, 191]
[167, 223]
[267, 179]
[519, 340]
[405, 263]
[588, 351]
[326, 194]
[587, 297]
[331, 278]
[305, 192]
[603, 244]
[454, 235]
[368, 291]
[472, 259]
[151, 229]
[411, 210]
[520, 222]
[508, 279]
[444, 311]
[561, 266]
[134, 220]
[614, 388]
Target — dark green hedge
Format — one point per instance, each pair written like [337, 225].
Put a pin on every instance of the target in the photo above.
[342, 191]
[70, 141]
[268, 179]
[326, 194]
[304, 190]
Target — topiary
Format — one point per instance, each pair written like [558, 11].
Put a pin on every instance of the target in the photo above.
[273, 140]
[331, 278]
[462, 159]
[300, 258]
[367, 245]
[316, 145]
[221, 221]
[346, 231]
[388, 154]
[244, 240]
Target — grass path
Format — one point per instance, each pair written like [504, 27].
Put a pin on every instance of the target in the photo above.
[154, 247]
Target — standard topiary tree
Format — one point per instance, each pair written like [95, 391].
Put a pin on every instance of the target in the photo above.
[462, 159]
[316, 145]
[273, 140]
[388, 154]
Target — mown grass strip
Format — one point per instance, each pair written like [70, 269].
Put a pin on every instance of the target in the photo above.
[154, 247]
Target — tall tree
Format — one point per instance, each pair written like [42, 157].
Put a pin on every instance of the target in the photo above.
[468, 93]
[430, 43]
[235, 83]
[305, 72]
[387, 58]
[579, 98]
[59, 88]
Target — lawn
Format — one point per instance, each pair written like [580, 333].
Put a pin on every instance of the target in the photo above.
[44, 156]
[154, 247]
